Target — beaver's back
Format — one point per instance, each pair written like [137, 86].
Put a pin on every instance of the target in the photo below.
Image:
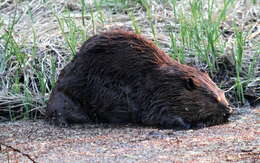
[124, 50]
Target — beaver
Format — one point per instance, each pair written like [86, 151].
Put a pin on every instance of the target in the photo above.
[121, 77]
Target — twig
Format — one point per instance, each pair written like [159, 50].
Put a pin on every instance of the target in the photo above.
[17, 150]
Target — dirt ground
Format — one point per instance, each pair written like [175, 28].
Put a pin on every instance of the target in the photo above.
[236, 141]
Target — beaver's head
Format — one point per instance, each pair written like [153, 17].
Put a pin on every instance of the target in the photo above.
[195, 97]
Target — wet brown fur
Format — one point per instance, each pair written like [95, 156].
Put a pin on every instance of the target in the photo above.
[121, 77]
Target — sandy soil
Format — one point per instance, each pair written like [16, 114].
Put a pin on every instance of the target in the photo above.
[237, 141]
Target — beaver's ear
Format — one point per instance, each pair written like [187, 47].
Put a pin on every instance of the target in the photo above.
[190, 85]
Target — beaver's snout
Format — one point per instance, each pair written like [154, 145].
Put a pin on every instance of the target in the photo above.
[228, 110]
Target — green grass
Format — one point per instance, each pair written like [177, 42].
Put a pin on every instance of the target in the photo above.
[176, 52]
[200, 32]
[135, 24]
[70, 36]
[101, 16]
[238, 55]
[31, 66]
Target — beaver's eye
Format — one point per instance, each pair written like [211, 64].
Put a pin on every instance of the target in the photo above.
[217, 99]
[190, 85]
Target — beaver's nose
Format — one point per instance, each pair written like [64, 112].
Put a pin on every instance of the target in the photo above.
[227, 110]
